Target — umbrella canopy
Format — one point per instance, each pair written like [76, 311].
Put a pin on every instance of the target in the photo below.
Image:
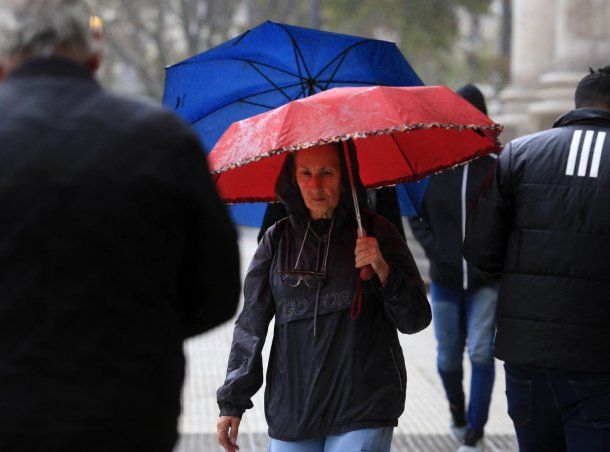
[400, 134]
[273, 64]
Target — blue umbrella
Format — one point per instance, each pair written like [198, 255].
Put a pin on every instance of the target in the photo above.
[271, 65]
[411, 196]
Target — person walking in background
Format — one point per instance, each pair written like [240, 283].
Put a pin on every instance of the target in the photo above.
[336, 379]
[114, 246]
[543, 226]
[463, 304]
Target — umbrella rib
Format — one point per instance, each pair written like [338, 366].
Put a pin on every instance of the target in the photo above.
[299, 62]
[292, 85]
[243, 35]
[270, 81]
[404, 154]
[332, 76]
[349, 82]
[302, 92]
[342, 54]
[315, 82]
[240, 100]
[275, 68]
[256, 104]
[322, 88]
[301, 78]
[296, 57]
[297, 49]
[328, 82]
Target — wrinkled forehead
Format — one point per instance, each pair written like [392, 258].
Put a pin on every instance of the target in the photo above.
[326, 155]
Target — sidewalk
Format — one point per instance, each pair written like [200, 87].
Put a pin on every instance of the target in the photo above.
[422, 427]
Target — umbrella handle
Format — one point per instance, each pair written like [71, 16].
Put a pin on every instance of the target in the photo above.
[366, 272]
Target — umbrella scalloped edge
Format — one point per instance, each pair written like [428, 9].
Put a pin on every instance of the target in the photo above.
[355, 135]
[390, 182]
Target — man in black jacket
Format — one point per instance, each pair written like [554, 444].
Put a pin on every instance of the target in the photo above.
[463, 304]
[114, 247]
[544, 226]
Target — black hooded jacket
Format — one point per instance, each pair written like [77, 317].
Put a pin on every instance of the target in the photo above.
[440, 228]
[544, 226]
[351, 373]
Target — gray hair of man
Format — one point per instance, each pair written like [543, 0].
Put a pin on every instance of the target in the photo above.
[45, 28]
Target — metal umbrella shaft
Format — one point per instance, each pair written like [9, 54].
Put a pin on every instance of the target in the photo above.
[350, 174]
[367, 272]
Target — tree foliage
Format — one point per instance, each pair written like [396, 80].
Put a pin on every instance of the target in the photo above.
[145, 36]
[425, 30]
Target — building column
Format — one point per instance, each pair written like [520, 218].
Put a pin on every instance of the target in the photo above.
[581, 39]
[533, 28]
[554, 44]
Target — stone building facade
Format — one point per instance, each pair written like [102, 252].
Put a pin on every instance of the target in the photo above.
[554, 42]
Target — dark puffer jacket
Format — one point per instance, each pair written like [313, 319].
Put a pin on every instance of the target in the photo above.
[351, 374]
[544, 225]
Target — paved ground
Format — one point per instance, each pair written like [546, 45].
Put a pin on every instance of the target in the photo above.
[422, 427]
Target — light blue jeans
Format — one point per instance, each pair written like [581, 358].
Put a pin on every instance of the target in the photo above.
[366, 440]
[466, 319]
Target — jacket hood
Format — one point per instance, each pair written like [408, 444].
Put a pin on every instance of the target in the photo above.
[289, 194]
[473, 95]
[589, 116]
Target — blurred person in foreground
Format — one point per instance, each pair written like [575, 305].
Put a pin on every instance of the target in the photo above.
[114, 246]
[336, 379]
[543, 226]
[463, 304]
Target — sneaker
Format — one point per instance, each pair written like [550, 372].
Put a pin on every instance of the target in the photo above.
[473, 442]
[458, 422]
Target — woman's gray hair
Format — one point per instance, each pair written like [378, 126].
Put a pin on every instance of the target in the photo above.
[42, 28]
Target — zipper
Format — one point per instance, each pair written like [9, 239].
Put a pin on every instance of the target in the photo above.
[396, 367]
[464, 192]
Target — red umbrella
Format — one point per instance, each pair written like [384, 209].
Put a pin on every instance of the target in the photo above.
[400, 134]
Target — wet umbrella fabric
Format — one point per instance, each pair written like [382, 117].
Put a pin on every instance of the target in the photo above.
[273, 64]
[399, 135]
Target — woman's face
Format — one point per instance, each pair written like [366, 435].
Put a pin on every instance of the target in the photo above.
[318, 175]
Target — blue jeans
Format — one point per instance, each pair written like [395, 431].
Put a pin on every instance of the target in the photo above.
[466, 318]
[559, 411]
[368, 439]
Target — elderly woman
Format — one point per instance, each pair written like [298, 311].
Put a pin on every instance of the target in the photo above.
[336, 378]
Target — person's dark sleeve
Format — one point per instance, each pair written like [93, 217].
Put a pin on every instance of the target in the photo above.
[245, 369]
[423, 232]
[490, 221]
[404, 296]
[274, 212]
[210, 275]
